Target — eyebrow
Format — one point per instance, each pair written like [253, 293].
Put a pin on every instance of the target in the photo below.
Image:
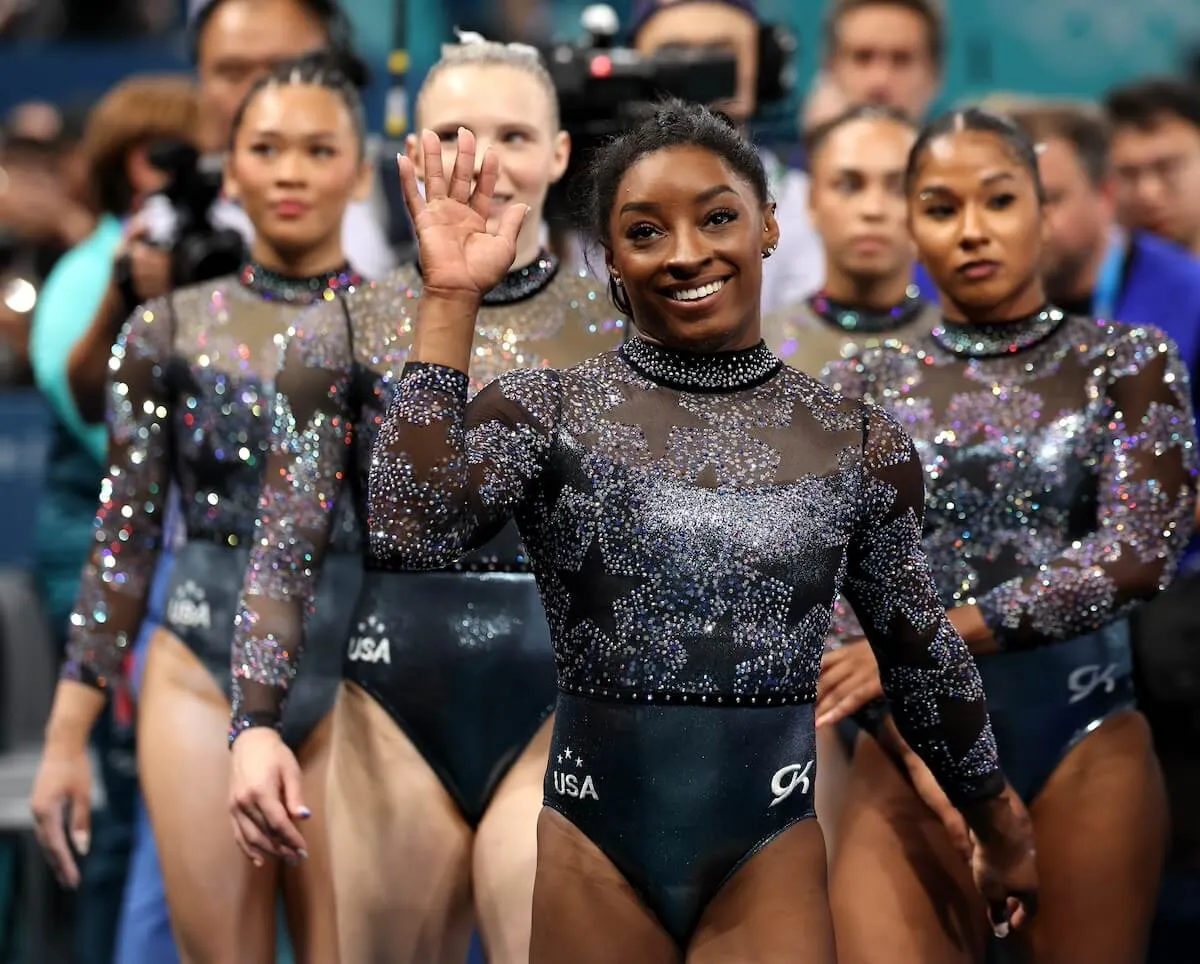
[988, 181]
[308, 135]
[701, 198]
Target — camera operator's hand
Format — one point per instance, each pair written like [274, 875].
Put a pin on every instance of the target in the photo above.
[149, 265]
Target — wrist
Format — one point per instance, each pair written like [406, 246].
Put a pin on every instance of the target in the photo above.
[253, 721]
[996, 818]
[75, 711]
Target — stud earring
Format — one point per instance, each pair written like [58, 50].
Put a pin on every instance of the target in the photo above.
[769, 251]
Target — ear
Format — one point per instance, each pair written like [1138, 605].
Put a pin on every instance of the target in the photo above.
[1107, 192]
[412, 147]
[770, 227]
[365, 182]
[229, 184]
[562, 156]
[608, 261]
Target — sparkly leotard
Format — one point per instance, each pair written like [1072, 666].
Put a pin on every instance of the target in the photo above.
[460, 659]
[817, 332]
[1059, 456]
[813, 333]
[191, 397]
[691, 519]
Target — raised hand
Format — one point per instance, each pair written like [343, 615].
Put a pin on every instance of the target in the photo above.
[459, 255]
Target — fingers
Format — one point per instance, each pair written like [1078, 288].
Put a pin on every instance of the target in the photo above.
[463, 172]
[485, 185]
[435, 177]
[510, 222]
[293, 796]
[998, 916]
[845, 707]
[50, 830]
[81, 823]
[251, 839]
[408, 185]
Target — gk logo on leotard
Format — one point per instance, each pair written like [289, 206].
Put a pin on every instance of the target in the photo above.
[795, 775]
[189, 607]
[568, 784]
[1085, 680]
[369, 645]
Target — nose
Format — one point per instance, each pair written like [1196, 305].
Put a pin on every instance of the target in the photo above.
[873, 203]
[689, 253]
[291, 168]
[973, 233]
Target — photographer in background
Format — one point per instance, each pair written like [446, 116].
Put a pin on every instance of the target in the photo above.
[732, 26]
[76, 320]
[44, 210]
[234, 43]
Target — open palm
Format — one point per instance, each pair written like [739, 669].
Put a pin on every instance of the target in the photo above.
[459, 255]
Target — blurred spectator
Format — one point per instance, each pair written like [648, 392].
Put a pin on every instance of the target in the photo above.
[1156, 157]
[1092, 267]
[797, 268]
[825, 101]
[237, 41]
[80, 310]
[43, 210]
[886, 52]
[85, 19]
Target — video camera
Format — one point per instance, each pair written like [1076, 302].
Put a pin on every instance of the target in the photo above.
[178, 217]
[601, 86]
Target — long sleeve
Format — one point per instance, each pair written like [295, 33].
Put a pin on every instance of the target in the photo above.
[305, 476]
[129, 522]
[447, 475]
[1146, 499]
[928, 675]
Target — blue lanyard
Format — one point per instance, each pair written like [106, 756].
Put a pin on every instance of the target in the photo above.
[1109, 278]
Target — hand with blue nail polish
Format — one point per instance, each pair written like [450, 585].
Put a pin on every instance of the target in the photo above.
[266, 797]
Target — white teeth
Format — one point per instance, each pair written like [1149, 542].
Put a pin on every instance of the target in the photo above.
[695, 294]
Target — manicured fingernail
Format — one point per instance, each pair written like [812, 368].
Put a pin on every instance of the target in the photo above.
[303, 854]
[305, 812]
[82, 840]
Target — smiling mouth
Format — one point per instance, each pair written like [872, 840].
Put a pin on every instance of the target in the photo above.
[697, 293]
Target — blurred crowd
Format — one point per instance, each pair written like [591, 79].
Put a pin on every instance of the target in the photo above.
[95, 201]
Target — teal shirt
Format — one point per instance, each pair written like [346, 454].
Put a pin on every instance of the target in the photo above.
[66, 306]
[75, 464]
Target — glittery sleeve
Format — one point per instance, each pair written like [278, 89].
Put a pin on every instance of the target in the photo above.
[305, 475]
[447, 475]
[928, 675]
[114, 589]
[1147, 495]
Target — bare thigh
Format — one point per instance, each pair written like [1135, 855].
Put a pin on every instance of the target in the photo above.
[506, 855]
[401, 851]
[774, 909]
[222, 907]
[1101, 826]
[308, 887]
[584, 910]
[833, 775]
[899, 891]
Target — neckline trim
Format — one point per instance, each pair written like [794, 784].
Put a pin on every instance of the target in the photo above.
[275, 286]
[701, 372]
[996, 339]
